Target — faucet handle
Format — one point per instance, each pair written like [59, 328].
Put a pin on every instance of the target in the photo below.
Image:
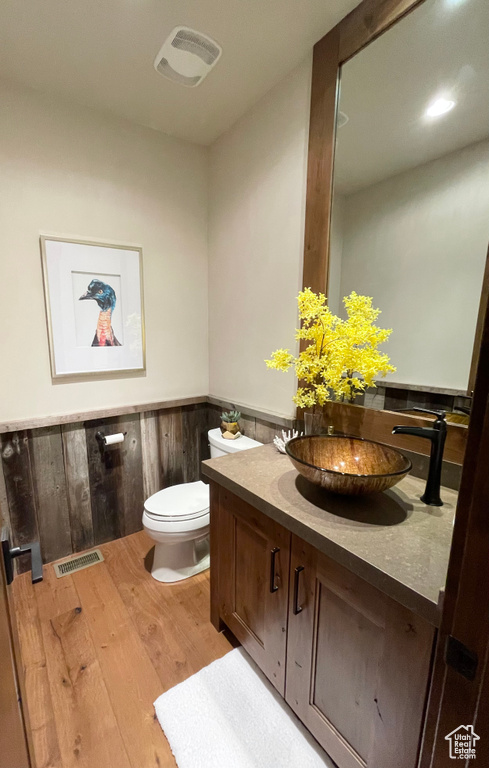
[439, 413]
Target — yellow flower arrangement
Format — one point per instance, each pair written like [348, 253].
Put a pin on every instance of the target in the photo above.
[342, 357]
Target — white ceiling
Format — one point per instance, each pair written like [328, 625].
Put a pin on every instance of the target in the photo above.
[441, 49]
[100, 53]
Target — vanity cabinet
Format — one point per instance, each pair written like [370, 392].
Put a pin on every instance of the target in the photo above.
[253, 556]
[351, 662]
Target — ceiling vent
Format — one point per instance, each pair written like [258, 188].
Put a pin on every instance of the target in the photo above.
[186, 56]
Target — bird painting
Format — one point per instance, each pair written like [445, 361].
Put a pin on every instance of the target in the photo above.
[106, 298]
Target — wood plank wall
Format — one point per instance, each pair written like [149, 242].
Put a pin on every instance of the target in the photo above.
[63, 491]
[59, 488]
[252, 425]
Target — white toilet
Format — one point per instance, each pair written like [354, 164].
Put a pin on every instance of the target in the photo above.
[177, 519]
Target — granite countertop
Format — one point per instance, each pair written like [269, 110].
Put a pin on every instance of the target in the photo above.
[392, 540]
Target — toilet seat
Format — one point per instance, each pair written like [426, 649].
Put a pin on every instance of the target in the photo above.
[179, 503]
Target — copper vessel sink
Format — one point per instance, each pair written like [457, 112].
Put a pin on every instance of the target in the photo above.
[347, 465]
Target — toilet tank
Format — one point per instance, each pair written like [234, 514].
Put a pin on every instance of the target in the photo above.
[220, 446]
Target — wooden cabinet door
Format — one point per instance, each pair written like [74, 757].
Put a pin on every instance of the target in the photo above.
[358, 665]
[253, 554]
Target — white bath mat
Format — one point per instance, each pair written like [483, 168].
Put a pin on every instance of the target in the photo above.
[229, 716]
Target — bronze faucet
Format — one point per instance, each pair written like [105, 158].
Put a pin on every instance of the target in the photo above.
[437, 434]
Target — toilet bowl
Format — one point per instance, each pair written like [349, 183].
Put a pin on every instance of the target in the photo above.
[177, 519]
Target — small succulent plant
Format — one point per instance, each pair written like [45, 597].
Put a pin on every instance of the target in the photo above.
[230, 417]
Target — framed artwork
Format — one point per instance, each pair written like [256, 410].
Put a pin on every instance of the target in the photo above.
[94, 306]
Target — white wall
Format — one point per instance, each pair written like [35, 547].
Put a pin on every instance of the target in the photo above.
[417, 243]
[256, 237]
[336, 254]
[69, 170]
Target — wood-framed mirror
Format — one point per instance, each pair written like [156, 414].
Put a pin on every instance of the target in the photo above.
[397, 201]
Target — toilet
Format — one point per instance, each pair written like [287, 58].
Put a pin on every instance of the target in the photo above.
[177, 519]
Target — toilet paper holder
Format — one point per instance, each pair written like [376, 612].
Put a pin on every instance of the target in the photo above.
[106, 441]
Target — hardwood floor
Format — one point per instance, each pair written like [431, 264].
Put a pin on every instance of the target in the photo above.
[99, 646]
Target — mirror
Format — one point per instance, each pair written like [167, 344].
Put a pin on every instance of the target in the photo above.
[410, 216]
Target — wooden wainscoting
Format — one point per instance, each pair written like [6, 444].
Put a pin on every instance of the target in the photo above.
[255, 424]
[57, 487]
[61, 490]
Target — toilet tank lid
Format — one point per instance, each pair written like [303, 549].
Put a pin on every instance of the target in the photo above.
[183, 500]
[231, 446]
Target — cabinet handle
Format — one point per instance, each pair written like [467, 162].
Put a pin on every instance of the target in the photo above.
[273, 554]
[297, 608]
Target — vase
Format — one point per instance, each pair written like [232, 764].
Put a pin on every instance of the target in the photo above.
[230, 430]
[317, 424]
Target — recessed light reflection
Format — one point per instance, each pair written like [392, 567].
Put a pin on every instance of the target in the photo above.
[440, 107]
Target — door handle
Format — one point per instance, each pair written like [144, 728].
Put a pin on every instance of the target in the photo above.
[297, 608]
[273, 555]
[10, 552]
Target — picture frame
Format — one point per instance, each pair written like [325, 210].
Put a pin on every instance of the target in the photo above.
[93, 292]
